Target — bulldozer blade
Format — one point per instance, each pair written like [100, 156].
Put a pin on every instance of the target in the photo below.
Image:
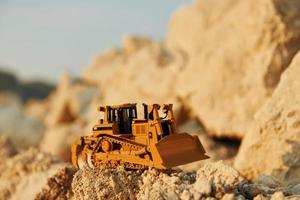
[179, 149]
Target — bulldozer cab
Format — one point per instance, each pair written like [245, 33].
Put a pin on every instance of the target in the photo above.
[123, 116]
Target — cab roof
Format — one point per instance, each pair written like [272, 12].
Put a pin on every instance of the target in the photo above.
[126, 105]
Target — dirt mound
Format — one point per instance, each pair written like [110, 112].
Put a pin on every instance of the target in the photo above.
[212, 181]
[272, 146]
[58, 186]
[22, 176]
[43, 178]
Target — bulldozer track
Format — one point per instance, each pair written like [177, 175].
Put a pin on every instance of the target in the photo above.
[127, 165]
[123, 142]
[113, 164]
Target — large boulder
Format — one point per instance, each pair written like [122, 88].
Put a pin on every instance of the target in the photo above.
[236, 52]
[272, 146]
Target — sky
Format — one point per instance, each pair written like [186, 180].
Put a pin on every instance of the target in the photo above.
[44, 38]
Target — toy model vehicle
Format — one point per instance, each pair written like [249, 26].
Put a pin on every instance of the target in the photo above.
[121, 139]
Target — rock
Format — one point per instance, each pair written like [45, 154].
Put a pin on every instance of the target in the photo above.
[20, 127]
[68, 116]
[278, 196]
[7, 149]
[265, 187]
[133, 44]
[251, 190]
[268, 181]
[271, 146]
[202, 188]
[295, 190]
[103, 184]
[31, 160]
[146, 74]
[59, 108]
[58, 140]
[231, 196]
[22, 176]
[69, 101]
[37, 108]
[156, 185]
[260, 197]
[212, 180]
[235, 52]
[223, 177]
[58, 186]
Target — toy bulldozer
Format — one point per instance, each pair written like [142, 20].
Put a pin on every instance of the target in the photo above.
[121, 139]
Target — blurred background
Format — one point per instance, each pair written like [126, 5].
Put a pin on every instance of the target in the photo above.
[42, 39]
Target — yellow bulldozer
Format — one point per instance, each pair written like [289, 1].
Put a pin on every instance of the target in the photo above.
[121, 139]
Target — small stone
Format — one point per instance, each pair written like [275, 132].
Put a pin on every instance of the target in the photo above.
[277, 196]
[260, 197]
[203, 187]
[228, 196]
[185, 195]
